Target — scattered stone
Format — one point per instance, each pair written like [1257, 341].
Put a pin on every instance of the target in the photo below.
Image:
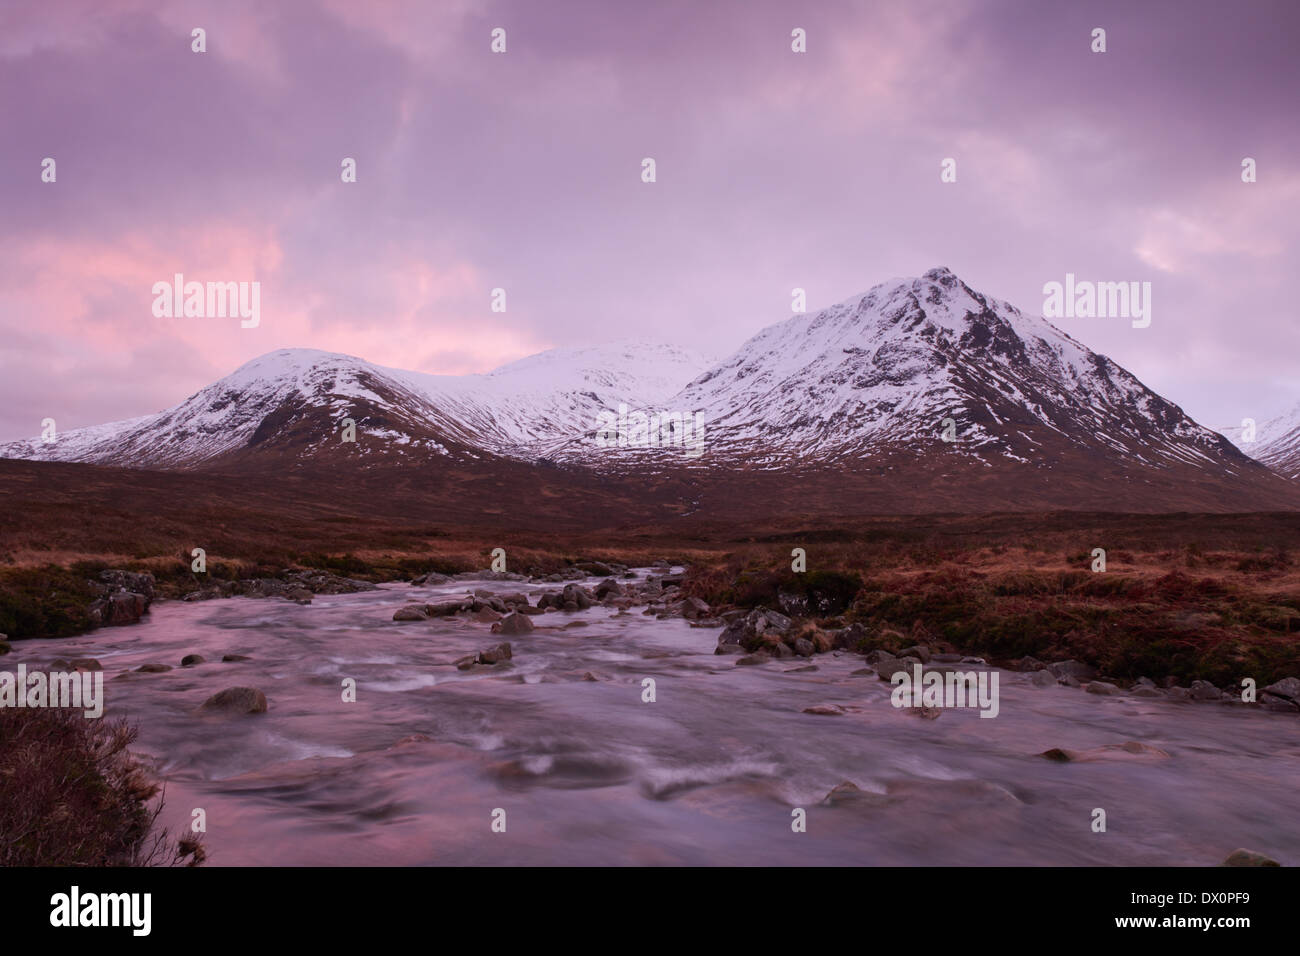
[1043, 678]
[243, 700]
[1130, 749]
[154, 668]
[299, 595]
[86, 664]
[466, 662]
[804, 647]
[1248, 858]
[919, 651]
[754, 659]
[829, 710]
[1179, 693]
[189, 660]
[802, 670]
[928, 713]
[234, 658]
[1101, 687]
[430, 579]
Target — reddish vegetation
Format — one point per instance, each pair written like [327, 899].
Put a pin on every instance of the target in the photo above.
[72, 795]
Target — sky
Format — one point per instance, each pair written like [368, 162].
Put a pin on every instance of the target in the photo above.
[522, 170]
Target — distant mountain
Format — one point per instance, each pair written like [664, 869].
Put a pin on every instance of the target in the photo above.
[293, 402]
[919, 395]
[1276, 443]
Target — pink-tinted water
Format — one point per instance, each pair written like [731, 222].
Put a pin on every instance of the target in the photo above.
[709, 773]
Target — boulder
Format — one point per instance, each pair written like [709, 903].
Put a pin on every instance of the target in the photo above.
[693, 609]
[513, 624]
[135, 582]
[1204, 690]
[1144, 691]
[448, 608]
[849, 638]
[804, 647]
[1287, 687]
[577, 596]
[5, 647]
[1076, 669]
[412, 612]
[609, 588]
[1279, 705]
[153, 668]
[86, 664]
[118, 609]
[1101, 687]
[1043, 678]
[299, 595]
[239, 700]
[495, 654]
[919, 651]
[189, 660]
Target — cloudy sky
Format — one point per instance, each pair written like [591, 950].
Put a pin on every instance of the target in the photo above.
[523, 170]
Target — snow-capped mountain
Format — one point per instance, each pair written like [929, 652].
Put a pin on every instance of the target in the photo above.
[921, 394]
[297, 400]
[1276, 443]
[890, 371]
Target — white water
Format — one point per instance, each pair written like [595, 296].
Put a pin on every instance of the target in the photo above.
[707, 774]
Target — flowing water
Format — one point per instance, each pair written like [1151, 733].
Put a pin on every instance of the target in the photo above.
[587, 772]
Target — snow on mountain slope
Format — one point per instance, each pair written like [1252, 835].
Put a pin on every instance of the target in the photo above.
[868, 384]
[881, 372]
[296, 399]
[1276, 443]
[519, 408]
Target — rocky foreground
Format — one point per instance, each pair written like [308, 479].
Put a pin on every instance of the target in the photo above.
[753, 635]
